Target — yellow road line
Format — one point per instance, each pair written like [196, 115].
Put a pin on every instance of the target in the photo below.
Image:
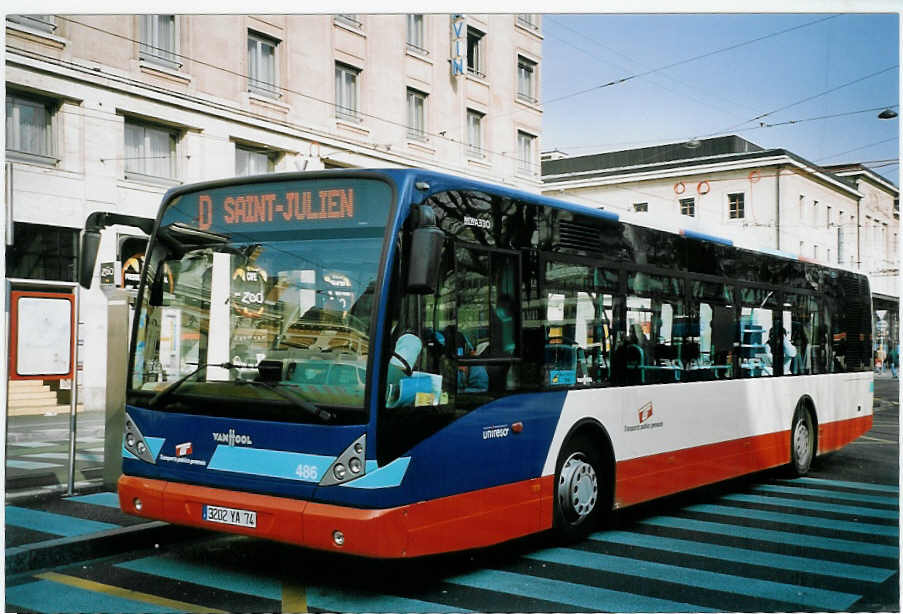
[294, 598]
[125, 593]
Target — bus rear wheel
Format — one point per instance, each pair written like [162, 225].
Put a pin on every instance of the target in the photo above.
[578, 492]
[802, 442]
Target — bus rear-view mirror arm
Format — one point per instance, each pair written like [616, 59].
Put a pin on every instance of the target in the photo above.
[90, 240]
[425, 253]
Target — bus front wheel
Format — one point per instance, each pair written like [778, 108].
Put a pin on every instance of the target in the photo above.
[578, 488]
[802, 442]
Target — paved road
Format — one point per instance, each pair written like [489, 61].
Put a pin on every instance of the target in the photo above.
[37, 450]
[828, 542]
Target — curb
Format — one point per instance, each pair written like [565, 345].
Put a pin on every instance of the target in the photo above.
[67, 550]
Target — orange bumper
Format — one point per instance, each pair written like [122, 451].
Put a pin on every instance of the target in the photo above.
[468, 520]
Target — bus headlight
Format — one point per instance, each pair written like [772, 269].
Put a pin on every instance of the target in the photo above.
[339, 471]
[133, 441]
[349, 465]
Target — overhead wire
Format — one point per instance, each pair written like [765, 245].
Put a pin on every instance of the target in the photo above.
[558, 23]
[691, 59]
[807, 99]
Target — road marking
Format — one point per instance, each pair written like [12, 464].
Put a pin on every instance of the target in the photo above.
[742, 555]
[859, 485]
[580, 595]
[833, 494]
[294, 598]
[349, 600]
[56, 524]
[17, 464]
[31, 444]
[751, 587]
[324, 598]
[806, 504]
[207, 575]
[872, 443]
[47, 596]
[795, 519]
[770, 535]
[86, 458]
[107, 499]
[125, 593]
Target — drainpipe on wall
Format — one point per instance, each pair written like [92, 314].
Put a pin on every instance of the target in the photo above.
[777, 208]
[10, 235]
[859, 234]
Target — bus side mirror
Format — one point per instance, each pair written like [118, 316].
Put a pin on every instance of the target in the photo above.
[426, 252]
[88, 257]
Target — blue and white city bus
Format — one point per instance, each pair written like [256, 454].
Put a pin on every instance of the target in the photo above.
[398, 363]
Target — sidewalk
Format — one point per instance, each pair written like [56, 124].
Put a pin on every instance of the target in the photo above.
[51, 531]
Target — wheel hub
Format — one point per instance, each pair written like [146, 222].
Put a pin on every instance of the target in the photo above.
[801, 441]
[578, 488]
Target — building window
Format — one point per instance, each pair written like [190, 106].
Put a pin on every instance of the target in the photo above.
[526, 85]
[44, 23]
[525, 151]
[346, 103]
[527, 20]
[474, 52]
[641, 207]
[415, 33]
[262, 65]
[29, 129]
[474, 133]
[688, 206]
[43, 252]
[254, 160]
[158, 40]
[828, 217]
[416, 115]
[150, 152]
[736, 206]
[349, 19]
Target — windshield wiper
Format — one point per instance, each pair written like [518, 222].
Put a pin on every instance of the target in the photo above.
[296, 400]
[157, 398]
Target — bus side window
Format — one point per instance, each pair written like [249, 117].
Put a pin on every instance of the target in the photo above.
[656, 325]
[759, 333]
[486, 343]
[709, 347]
[575, 314]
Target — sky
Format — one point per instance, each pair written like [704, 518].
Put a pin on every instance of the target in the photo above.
[800, 56]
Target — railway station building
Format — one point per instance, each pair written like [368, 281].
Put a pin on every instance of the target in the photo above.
[846, 216]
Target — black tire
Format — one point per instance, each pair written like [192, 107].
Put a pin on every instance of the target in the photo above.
[581, 488]
[802, 442]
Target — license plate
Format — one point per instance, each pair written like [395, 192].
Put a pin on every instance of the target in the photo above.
[229, 515]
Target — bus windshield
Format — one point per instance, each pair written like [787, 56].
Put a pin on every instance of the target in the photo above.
[262, 283]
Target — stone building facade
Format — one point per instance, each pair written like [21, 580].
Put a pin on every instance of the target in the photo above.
[106, 112]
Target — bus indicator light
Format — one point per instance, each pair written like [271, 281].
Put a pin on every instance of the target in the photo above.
[517, 427]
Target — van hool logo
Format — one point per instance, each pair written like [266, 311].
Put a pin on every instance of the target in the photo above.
[232, 438]
[475, 221]
[644, 414]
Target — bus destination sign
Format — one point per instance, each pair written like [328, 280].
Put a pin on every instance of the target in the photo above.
[270, 207]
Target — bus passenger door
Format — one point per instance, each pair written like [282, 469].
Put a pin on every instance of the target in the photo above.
[486, 341]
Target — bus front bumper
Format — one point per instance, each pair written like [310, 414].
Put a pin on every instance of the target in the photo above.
[469, 520]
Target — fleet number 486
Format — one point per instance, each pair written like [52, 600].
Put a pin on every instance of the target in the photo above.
[307, 472]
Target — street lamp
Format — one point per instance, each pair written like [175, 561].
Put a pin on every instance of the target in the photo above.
[887, 114]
